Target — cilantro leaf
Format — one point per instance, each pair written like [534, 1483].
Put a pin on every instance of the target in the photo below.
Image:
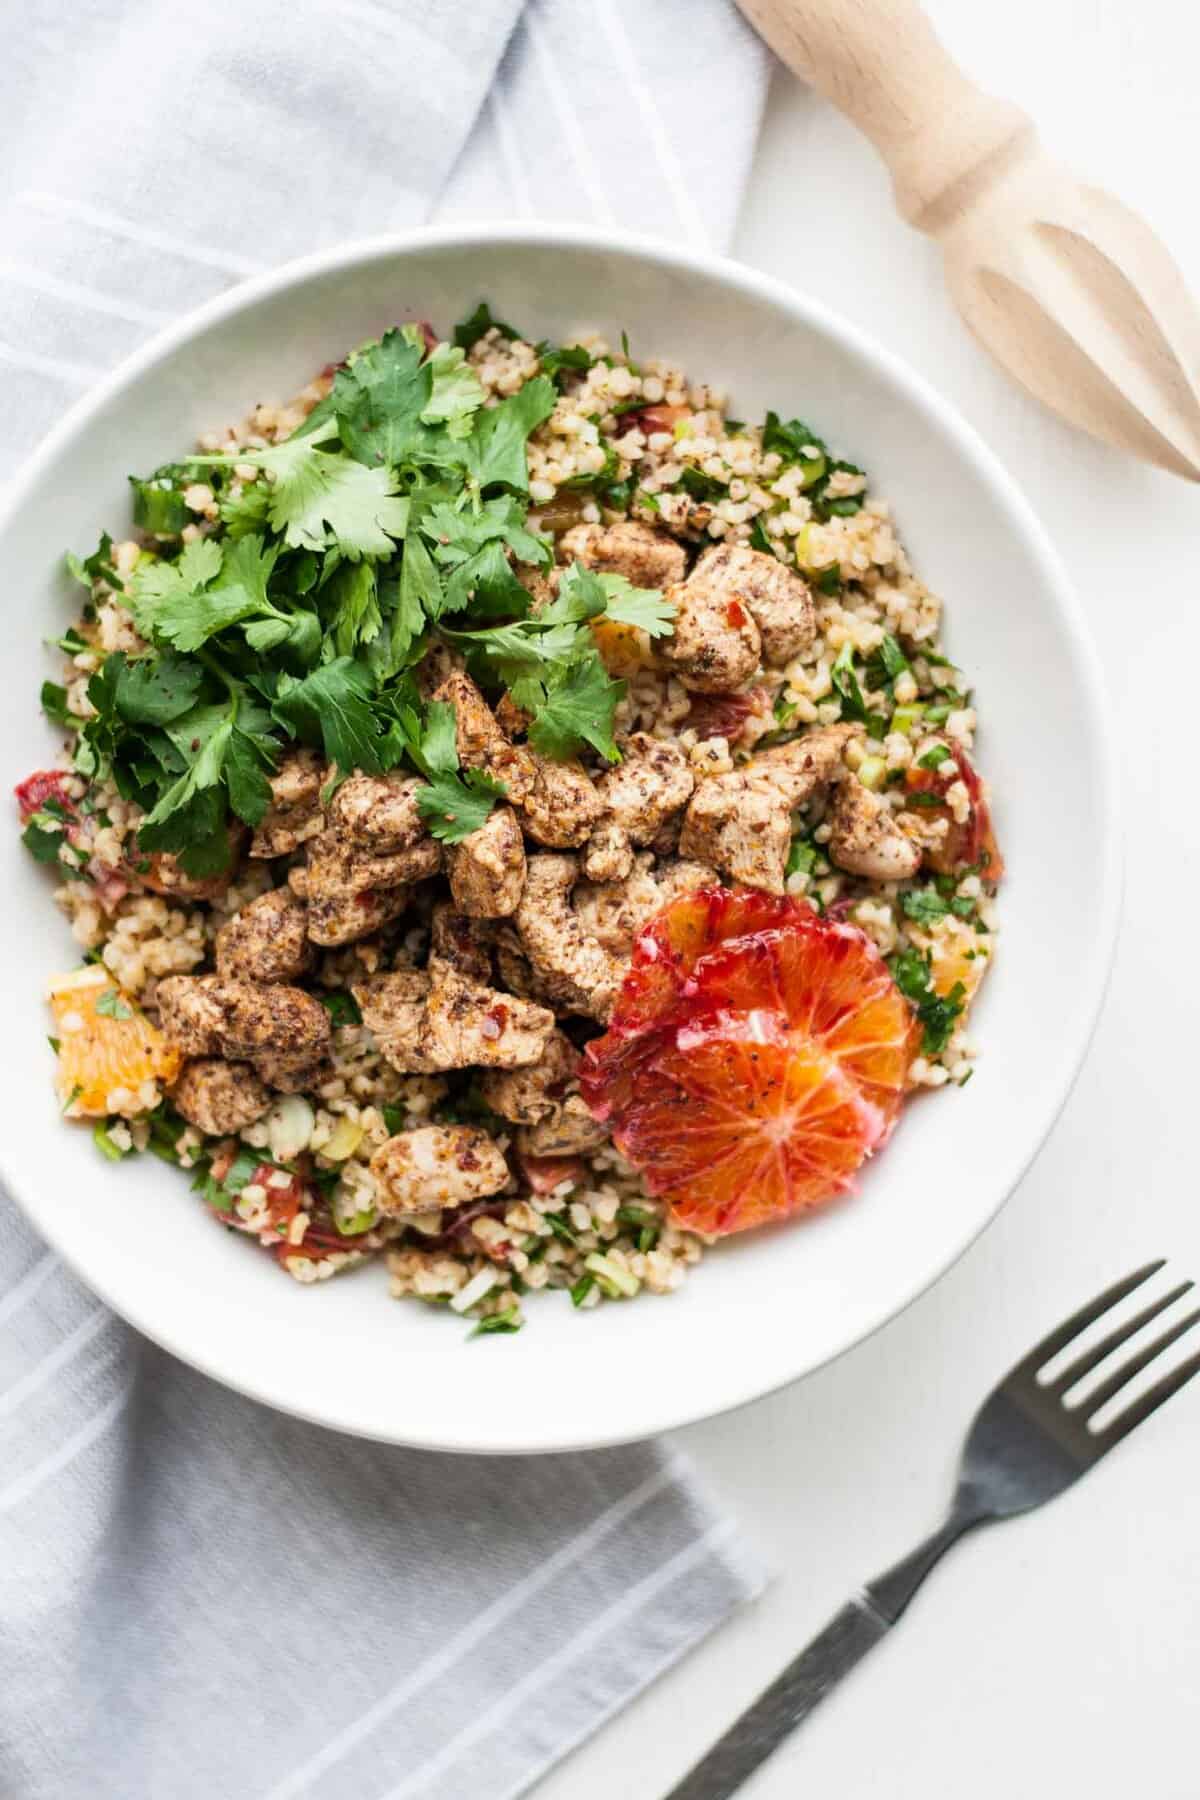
[576, 708]
[378, 399]
[453, 805]
[333, 706]
[158, 504]
[354, 600]
[319, 499]
[568, 359]
[54, 704]
[457, 393]
[643, 607]
[153, 690]
[496, 446]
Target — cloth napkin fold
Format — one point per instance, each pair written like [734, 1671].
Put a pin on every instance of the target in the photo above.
[199, 1597]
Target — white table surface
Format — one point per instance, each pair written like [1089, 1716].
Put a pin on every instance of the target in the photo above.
[1058, 1654]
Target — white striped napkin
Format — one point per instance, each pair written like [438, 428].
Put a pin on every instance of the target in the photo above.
[200, 1599]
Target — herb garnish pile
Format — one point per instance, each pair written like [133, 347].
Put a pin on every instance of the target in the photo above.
[394, 517]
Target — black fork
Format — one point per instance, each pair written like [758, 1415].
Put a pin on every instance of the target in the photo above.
[1025, 1446]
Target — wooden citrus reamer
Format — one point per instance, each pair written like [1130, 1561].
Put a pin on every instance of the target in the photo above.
[1068, 288]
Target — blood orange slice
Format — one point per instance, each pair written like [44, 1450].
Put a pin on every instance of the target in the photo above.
[833, 989]
[756, 1056]
[740, 1124]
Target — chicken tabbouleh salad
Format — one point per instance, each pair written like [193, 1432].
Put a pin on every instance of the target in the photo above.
[519, 822]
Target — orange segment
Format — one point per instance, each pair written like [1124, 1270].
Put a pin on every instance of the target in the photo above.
[107, 1048]
[956, 954]
[735, 1131]
[624, 649]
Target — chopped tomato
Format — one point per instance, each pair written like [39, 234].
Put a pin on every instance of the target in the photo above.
[45, 784]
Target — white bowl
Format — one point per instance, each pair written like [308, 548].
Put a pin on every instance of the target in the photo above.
[759, 1311]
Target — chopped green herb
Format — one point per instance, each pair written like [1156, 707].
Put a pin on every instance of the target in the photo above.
[54, 704]
[105, 1145]
[342, 1008]
[582, 1289]
[498, 1324]
[802, 857]
[111, 1005]
[937, 1013]
[934, 758]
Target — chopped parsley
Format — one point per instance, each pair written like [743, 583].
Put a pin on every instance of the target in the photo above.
[936, 1012]
[925, 905]
[846, 686]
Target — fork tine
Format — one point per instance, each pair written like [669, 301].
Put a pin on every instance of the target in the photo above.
[1058, 1339]
[1091, 1359]
[1091, 1403]
[1146, 1404]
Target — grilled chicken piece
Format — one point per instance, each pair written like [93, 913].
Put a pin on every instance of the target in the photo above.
[798, 769]
[741, 828]
[572, 1132]
[436, 1166]
[566, 962]
[462, 941]
[529, 1096]
[613, 912]
[471, 1026]
[267, 940]
[352, 893]
[295, 812]
[440, 1019]
[562, 805]
[378, 813]
[716, 646]
[864, 838]
[481, 742]
[206, 1015]
[487, 869]
[651, 784]
[778, 601]
[393, 1009]
[646, 557]
[608, 855]
[219, 1097]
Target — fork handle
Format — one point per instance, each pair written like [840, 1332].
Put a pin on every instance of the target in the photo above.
[822, 1663]
[789, 1699]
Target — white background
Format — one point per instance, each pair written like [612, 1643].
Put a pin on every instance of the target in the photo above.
[1058, 1654]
